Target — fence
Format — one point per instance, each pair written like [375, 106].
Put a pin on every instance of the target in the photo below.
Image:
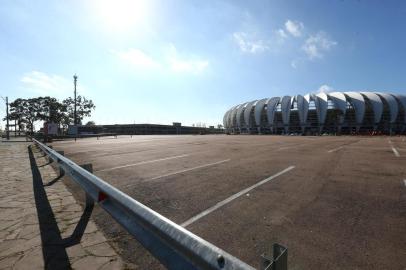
[174, 246]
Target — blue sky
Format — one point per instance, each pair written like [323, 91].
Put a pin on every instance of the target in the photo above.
[189, 61]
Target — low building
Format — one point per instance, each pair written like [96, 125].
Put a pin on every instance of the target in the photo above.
[146, 129]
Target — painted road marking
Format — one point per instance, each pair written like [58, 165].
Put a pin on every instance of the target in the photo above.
[233, 197]
[335, 149]
[395, 152]
[284, 148]
[288, 147]
[404, 182]
[142, 162]
[190, 169]
[394, 149]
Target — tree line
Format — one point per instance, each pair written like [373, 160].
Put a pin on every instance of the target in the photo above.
[25, 112]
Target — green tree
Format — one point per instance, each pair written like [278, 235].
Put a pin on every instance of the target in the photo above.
[31, 110]
[51, 110]
[17, 113]
[84, 108]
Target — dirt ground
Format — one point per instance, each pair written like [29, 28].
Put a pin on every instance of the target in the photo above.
[339, 203]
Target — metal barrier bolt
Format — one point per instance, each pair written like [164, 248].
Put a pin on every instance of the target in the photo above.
[102, 196]
[220, 260]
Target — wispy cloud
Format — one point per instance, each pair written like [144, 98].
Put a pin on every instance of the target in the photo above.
[325, 89]
[137, 58]
[281, 35]
[191, 64]
[170, 60]
[248, 43]
[316, 45]
[294, 28]
[40, 83]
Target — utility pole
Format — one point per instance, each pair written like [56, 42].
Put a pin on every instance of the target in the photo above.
[75, 79]
[8, 126]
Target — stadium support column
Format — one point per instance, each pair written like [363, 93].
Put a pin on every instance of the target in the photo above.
[321, 129]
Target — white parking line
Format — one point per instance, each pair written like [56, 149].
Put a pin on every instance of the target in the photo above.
[190, 169]
[288, 147]
[393, 148]
[142, 162]
[335, 149]
[233, 197]
[404, 182]
[395, 152]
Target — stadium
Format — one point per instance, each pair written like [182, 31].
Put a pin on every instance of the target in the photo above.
[330, 113]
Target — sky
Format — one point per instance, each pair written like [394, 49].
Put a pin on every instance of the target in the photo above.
[190, 61]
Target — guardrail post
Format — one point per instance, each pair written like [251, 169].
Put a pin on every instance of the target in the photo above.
[89, 201]
[279, 261]
[61, 171]
[45, 154]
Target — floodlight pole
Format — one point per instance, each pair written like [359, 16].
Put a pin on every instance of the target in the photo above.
[75, 78]
[8, 126]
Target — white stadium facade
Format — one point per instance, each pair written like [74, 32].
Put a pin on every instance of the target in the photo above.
[332, 113]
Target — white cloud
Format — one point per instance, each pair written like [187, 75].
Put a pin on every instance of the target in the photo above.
[195, 66]
[325, 89]
[293, 64]
[316, 45]
[170, 60]
[179, 63]
[295, 28]
[40, 83]
[249, 44]
[281, 35]
[137, 58]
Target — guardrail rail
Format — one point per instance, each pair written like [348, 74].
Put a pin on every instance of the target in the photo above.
[173, 245]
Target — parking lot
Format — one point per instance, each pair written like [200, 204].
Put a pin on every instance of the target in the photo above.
[335, 202]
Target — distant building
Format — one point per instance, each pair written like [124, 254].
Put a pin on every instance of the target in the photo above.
[336, 112]
[146, 129]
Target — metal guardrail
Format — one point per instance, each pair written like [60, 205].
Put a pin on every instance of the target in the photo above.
[174, 246]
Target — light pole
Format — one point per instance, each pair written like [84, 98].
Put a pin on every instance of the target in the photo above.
[8, 126]
[75, 78]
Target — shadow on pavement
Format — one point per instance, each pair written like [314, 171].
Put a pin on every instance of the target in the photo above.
[53, 245]
[53, 181]
[46, 164]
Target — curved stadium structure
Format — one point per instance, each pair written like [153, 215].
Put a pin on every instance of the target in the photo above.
[336, 112]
